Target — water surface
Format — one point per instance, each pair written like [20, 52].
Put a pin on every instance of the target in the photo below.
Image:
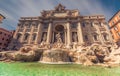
[38, 69]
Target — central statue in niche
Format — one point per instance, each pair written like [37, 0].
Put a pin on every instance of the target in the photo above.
[59, 34]
[58, 38]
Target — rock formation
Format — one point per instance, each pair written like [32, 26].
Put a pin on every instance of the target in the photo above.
[114, 57]
[87, 55]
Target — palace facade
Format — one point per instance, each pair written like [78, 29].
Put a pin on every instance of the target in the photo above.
[114, 24]
[61, 27]
[5, 38]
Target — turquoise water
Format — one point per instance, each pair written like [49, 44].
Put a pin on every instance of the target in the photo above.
[38, 69]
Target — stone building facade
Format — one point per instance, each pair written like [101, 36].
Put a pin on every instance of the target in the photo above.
[61, 27]
[114, 24]
[5, 37]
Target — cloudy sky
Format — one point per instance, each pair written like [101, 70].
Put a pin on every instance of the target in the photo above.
[14, 9]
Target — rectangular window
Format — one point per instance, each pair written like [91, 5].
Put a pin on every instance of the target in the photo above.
[46, 25]
[91, 24]
[105, 37]
[2, 38]
[86, 37]
[100, 24]
[115, 28]
[0, 32]
[112, 23]
[95, 37]
[83, 24]
[118, 33]
[74, 25]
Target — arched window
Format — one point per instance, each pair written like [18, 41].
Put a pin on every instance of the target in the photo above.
[18, 36]
[34, 37]
[105, 36]
[95, 37]
[26, 36]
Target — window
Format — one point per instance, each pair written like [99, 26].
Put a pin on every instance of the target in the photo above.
[74, 25]
[118, 33]
[7, 40]
[8, 35]
[100, 23]
[91, 24]
[105, 37]
[34, 37]
[46, 25]
[115, 28]
[5, 34]
[95, 37]
[2, 38]
[5, 44]
[83, 24]
[18, 36]
[86, 37]
[0, 32]
[113, 23]
[0, 43]
[26, 37]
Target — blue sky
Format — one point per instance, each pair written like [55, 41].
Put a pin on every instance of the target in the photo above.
[14, 9]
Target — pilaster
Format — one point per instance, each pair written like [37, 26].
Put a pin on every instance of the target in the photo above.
[23, 34]
[39, 34]
[31, 35]
[80, 34]
[68, 34]
[49, 33]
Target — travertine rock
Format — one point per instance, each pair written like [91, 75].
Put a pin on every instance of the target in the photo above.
[56, 55]
[114, 57]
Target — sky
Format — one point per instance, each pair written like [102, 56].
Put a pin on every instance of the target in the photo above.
[14, 9]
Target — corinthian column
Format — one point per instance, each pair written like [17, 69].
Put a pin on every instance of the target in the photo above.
[23, 34]
[16, 32]
[49, 33]
[80, 35]
[68, 34]
[39, 34]
[31, 35]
